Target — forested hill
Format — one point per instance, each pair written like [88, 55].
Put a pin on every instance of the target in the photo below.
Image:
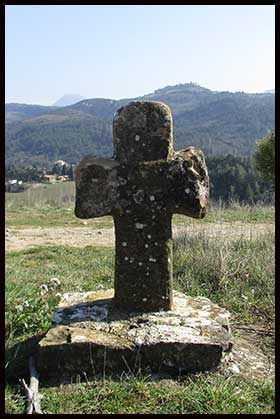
[217, 122]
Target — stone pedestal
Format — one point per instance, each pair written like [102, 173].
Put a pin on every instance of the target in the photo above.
[91, 336]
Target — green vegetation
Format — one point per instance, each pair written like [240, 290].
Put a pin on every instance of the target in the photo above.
[45, 139]
[53, 205]
[203, 394]
[265, 157]
[23, 173]
[231, 179]
[237, 274]
[217, 122]
[218, 270]
[38, 196]
[35, 174]
[235, 178]
[44, 205]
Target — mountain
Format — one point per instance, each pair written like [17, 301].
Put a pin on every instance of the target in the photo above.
[271, 91]
[217, 122]
[15, 112]
[68, 99]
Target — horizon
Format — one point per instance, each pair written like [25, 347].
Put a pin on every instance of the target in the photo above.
[109, 98]
[127, 51]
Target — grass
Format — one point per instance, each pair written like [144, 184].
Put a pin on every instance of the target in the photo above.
[31, 292]
[37, 195]
[47, 206]
[53, 205]
[237, 274]
[201, 394]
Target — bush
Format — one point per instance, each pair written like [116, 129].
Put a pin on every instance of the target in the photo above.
[265, 157]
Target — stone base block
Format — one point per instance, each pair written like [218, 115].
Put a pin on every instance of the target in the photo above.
[90, 336]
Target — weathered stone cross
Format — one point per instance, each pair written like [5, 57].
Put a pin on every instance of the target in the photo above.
[142, 188]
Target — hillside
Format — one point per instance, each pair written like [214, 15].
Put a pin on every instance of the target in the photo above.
[218, 122]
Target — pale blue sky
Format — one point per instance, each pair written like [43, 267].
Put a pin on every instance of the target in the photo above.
[118, 51]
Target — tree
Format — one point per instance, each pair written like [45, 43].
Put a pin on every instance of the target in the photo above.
[265, 157]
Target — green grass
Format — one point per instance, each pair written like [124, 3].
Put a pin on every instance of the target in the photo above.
[49, 216]
[47, 206]
[209, 393]
[238, 276]
[30, 291]
[53, 205]
[55, 195]
[238, 212]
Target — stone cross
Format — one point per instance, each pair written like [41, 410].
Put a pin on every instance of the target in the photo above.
[141, 188]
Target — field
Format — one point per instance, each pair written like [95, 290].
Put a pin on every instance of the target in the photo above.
[227, 257]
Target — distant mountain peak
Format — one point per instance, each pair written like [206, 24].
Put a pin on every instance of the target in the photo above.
[69, 99]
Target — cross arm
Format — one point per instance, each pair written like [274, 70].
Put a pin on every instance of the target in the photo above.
[96, 187]
[189, 183]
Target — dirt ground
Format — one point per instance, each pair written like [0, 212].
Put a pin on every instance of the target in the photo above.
[23, 238]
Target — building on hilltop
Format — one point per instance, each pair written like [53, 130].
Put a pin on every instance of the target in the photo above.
[48, 178]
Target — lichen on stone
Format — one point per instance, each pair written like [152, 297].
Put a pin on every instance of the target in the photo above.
[141, 188]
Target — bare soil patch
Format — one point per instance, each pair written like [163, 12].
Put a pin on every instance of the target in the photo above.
[24, 238]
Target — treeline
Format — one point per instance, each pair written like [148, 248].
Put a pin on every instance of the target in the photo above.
[236, 178]
[35, 174]
[23, 173]
[48, 139]
[231, 178]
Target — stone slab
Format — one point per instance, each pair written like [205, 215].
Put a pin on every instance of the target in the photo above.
[91, 336]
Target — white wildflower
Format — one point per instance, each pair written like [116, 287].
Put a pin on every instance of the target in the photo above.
[44, 289]
[234, 369]
[55, 282]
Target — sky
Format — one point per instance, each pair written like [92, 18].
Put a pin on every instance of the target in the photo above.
[125, 51]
